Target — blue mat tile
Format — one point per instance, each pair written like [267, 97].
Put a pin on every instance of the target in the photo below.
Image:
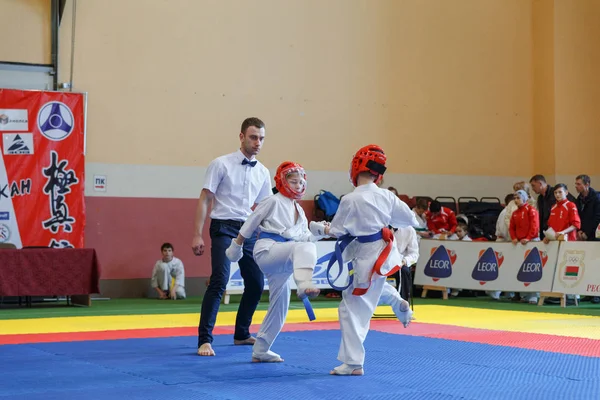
[397, 366]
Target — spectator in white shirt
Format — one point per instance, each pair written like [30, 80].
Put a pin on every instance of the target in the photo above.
[462, 232]
[408, 246]
[420, 210]
[502, 231]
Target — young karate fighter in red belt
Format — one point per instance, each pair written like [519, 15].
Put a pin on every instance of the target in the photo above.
[364, 240]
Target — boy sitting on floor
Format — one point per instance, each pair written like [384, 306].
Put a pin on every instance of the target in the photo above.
[166, 268]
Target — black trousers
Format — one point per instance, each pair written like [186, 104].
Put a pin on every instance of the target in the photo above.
[404, 280]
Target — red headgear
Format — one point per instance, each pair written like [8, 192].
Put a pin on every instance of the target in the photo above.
[370, 159]
[281, 183]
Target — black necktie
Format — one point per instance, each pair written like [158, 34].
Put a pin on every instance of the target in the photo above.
[250, 163]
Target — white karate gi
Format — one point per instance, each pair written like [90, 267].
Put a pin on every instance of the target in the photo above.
[163, 272]
[408, 246]
[366, 211]
[280, 260]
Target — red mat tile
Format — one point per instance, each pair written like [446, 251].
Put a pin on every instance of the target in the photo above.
[147, 333]
[532, 341]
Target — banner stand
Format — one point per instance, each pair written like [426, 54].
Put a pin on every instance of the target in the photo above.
[442, 289]
[42, 168]
[553, 270]
[561, 296]
[228, 293]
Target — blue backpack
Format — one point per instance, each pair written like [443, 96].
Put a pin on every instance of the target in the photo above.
[327, 203]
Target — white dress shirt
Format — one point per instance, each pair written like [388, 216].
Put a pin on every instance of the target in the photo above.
[408, 244]
[421, 220]
[501, 225]
[236, 187]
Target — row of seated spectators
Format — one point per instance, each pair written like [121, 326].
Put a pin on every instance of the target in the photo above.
[465, 218]
[476, 217]
[554, 215]
[520, 219]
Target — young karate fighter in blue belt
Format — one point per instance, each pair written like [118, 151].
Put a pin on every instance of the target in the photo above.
[285, 248]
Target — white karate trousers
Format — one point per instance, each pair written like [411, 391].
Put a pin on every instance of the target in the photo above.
[355, 312]
[278, 263]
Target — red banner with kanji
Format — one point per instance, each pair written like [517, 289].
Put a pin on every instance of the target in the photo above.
[42, 166]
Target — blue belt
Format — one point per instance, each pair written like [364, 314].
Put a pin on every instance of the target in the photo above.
[273, 236]
[370, 238]
[309, 310]
[336, 257]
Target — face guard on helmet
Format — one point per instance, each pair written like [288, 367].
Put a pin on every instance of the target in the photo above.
[281, 180]
[370, 159]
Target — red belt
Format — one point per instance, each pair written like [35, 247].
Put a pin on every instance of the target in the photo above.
[388, 236]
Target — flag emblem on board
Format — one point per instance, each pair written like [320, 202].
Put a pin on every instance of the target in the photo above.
[571, 268]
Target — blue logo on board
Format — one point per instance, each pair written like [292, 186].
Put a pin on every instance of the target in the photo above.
[532, 268]
[440, 263]
[486, 268]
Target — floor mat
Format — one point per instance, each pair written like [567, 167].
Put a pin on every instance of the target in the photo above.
[397, 366]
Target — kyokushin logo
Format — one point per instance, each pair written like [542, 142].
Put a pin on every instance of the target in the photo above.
[55, 120]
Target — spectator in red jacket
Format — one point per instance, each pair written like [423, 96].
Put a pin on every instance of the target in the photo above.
[564, 218]
[441, 221]
[545, 200]
[524, 222]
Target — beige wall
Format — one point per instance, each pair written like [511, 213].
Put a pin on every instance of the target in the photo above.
[566, 87]
[25, 31]
[543, 88]
[174, 89]
[326, 77]
[65, 34]
[577, 77]
[462, 87]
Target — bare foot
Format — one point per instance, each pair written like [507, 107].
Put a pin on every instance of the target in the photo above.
[206, 350]
[246, 342]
